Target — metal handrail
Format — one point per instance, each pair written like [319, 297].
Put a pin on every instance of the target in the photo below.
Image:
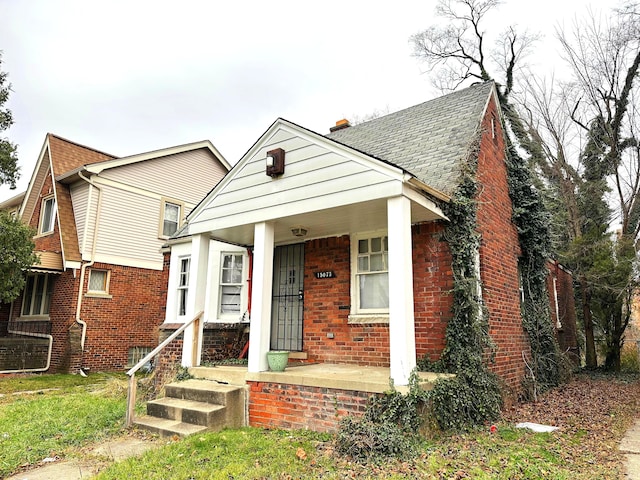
[131, 394]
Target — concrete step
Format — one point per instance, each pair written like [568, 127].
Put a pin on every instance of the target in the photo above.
[226, 374]
[189, 411]
[168, 428]
[204, 391]
[193, 406]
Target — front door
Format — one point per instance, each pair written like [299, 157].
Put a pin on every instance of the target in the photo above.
[288, 298]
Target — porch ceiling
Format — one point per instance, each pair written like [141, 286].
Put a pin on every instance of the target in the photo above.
[347, 219]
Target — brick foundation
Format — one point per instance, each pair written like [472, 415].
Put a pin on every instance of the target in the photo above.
[274, 405]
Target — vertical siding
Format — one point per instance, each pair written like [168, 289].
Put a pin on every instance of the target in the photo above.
[187, 176]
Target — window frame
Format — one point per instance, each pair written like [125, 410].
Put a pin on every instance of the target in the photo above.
[163, 210]
[380, 313]
[45, 301]
[183, 288]
[107, 281]
[51, 218]
[235, 314]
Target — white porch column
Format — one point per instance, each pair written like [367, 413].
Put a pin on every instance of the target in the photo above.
[402, 336]
[195, 296]
[261, 280]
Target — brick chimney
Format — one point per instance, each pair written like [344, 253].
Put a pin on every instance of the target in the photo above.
[340, 124]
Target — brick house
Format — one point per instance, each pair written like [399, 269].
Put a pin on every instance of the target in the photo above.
[97, 297]
[332, 249]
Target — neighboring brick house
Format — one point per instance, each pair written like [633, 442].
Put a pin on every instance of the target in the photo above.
[97, 297]
[563, 310]
[338, 252]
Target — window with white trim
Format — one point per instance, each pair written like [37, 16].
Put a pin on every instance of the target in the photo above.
[170, 221]
[47, 215]
[370, 276]
[231, 283]
[98, 282]
[183, 285]
[37, 295]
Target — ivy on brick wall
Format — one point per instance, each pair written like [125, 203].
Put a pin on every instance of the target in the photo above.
[532, 223]
[473, 396]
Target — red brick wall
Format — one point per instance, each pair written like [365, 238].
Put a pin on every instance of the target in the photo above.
[130, 318]
[499, 253]
[326, 310]
[327, 302]
[567, 334]
[432, 284]
[274, 405]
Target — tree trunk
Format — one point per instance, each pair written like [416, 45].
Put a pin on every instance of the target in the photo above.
[615, 348]
[591, 359]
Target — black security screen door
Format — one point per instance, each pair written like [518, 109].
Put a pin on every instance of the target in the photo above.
[288, 293]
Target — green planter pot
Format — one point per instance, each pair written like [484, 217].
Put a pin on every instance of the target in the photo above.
[277, 360]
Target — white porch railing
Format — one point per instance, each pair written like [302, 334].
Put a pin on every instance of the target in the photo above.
[131, 394]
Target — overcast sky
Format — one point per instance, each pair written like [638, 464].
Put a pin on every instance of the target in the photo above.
[126, 77]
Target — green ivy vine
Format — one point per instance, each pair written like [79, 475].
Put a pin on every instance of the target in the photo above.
[473, 396]
[532, 223]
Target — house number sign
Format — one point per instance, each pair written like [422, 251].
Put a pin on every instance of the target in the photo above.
[326, 274]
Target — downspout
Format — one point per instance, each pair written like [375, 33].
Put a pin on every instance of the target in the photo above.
[84, 266]
[30, 334]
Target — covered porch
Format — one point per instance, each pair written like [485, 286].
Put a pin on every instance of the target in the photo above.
[391, 218]
[327, 191]
[322, 375]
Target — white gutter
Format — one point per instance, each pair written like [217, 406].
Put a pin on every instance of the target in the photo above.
[90, 263]
[30, 334]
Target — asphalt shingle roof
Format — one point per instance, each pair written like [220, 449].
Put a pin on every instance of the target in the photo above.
[428, 140]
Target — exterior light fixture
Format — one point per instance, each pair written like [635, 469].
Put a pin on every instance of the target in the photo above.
[299, 231]
[275, 162]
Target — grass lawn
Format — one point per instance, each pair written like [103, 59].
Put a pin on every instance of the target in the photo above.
[54, 415]
[592, 413]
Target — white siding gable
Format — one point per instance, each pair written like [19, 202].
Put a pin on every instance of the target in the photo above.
[319, 174]
[187, 176]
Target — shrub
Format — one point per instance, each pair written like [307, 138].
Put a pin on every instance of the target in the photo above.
[389, 426]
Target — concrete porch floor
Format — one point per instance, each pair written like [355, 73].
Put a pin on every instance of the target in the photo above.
[323, 375]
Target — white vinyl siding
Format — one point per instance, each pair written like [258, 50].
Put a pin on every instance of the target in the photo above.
[315, 178]
[83, 214]
[128, 228]
[199, 171]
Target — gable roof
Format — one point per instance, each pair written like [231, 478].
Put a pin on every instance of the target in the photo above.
[428, 140]
[59, 155]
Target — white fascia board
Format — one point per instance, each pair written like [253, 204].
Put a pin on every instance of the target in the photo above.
[420, 199]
